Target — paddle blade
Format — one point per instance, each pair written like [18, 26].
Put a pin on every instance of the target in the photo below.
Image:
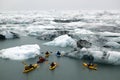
[95, 65]
[57, 64]
[23, 62]
[38, 66]
[46, 62]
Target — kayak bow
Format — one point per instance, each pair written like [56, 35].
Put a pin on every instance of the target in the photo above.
[93, 67]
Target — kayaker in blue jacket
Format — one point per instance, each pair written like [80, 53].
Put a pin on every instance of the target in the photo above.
[58, 53]
[91, 59]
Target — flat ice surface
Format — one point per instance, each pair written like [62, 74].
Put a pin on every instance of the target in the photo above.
[20, 52]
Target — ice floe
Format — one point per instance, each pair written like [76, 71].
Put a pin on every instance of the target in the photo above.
[20, 52]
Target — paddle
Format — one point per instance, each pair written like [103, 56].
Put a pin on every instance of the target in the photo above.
[38, 66]
[25, 65]
[57, 64]
[46, 62]
[23, 62]
[95, 65]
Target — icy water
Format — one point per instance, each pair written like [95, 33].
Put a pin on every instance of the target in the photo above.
[68, 68]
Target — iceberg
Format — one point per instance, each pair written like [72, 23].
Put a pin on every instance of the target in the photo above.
[112, 44]
[20, 52]
[83, 34]
[62, 41]
[100, 56]
[9, 35]
[114, 39]
[83, 31]
[109, 34]
[109, 57]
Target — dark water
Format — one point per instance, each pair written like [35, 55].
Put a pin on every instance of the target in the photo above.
[68, 69]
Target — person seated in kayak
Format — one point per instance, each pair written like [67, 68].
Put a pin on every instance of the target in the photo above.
[31, 66]
[41, 59]
[47, 53]
[52, 64]
[91, 59]
[90, 64]
[26, 67]
[58, 53]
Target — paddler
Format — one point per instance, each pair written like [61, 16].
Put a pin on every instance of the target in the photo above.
[58, 53]
[52, 64]
[91, 59]
[41, 59]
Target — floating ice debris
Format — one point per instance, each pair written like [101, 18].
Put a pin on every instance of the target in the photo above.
[20, 52]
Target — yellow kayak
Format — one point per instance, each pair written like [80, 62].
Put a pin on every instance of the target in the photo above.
[34, 67]
[93, 67]
[52, 68]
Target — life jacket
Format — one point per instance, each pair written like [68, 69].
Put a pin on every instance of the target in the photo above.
[52, 64]
[58, 53]
[41, 59]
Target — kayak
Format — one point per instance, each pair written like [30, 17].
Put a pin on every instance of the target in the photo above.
[34, 67]
[52, 68]
[90, 67]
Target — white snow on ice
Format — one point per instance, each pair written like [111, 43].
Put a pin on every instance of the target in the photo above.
[62, 41]
[109, 34]
[7, 34]
[113, 44]
[82, 31]
[20, 52]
